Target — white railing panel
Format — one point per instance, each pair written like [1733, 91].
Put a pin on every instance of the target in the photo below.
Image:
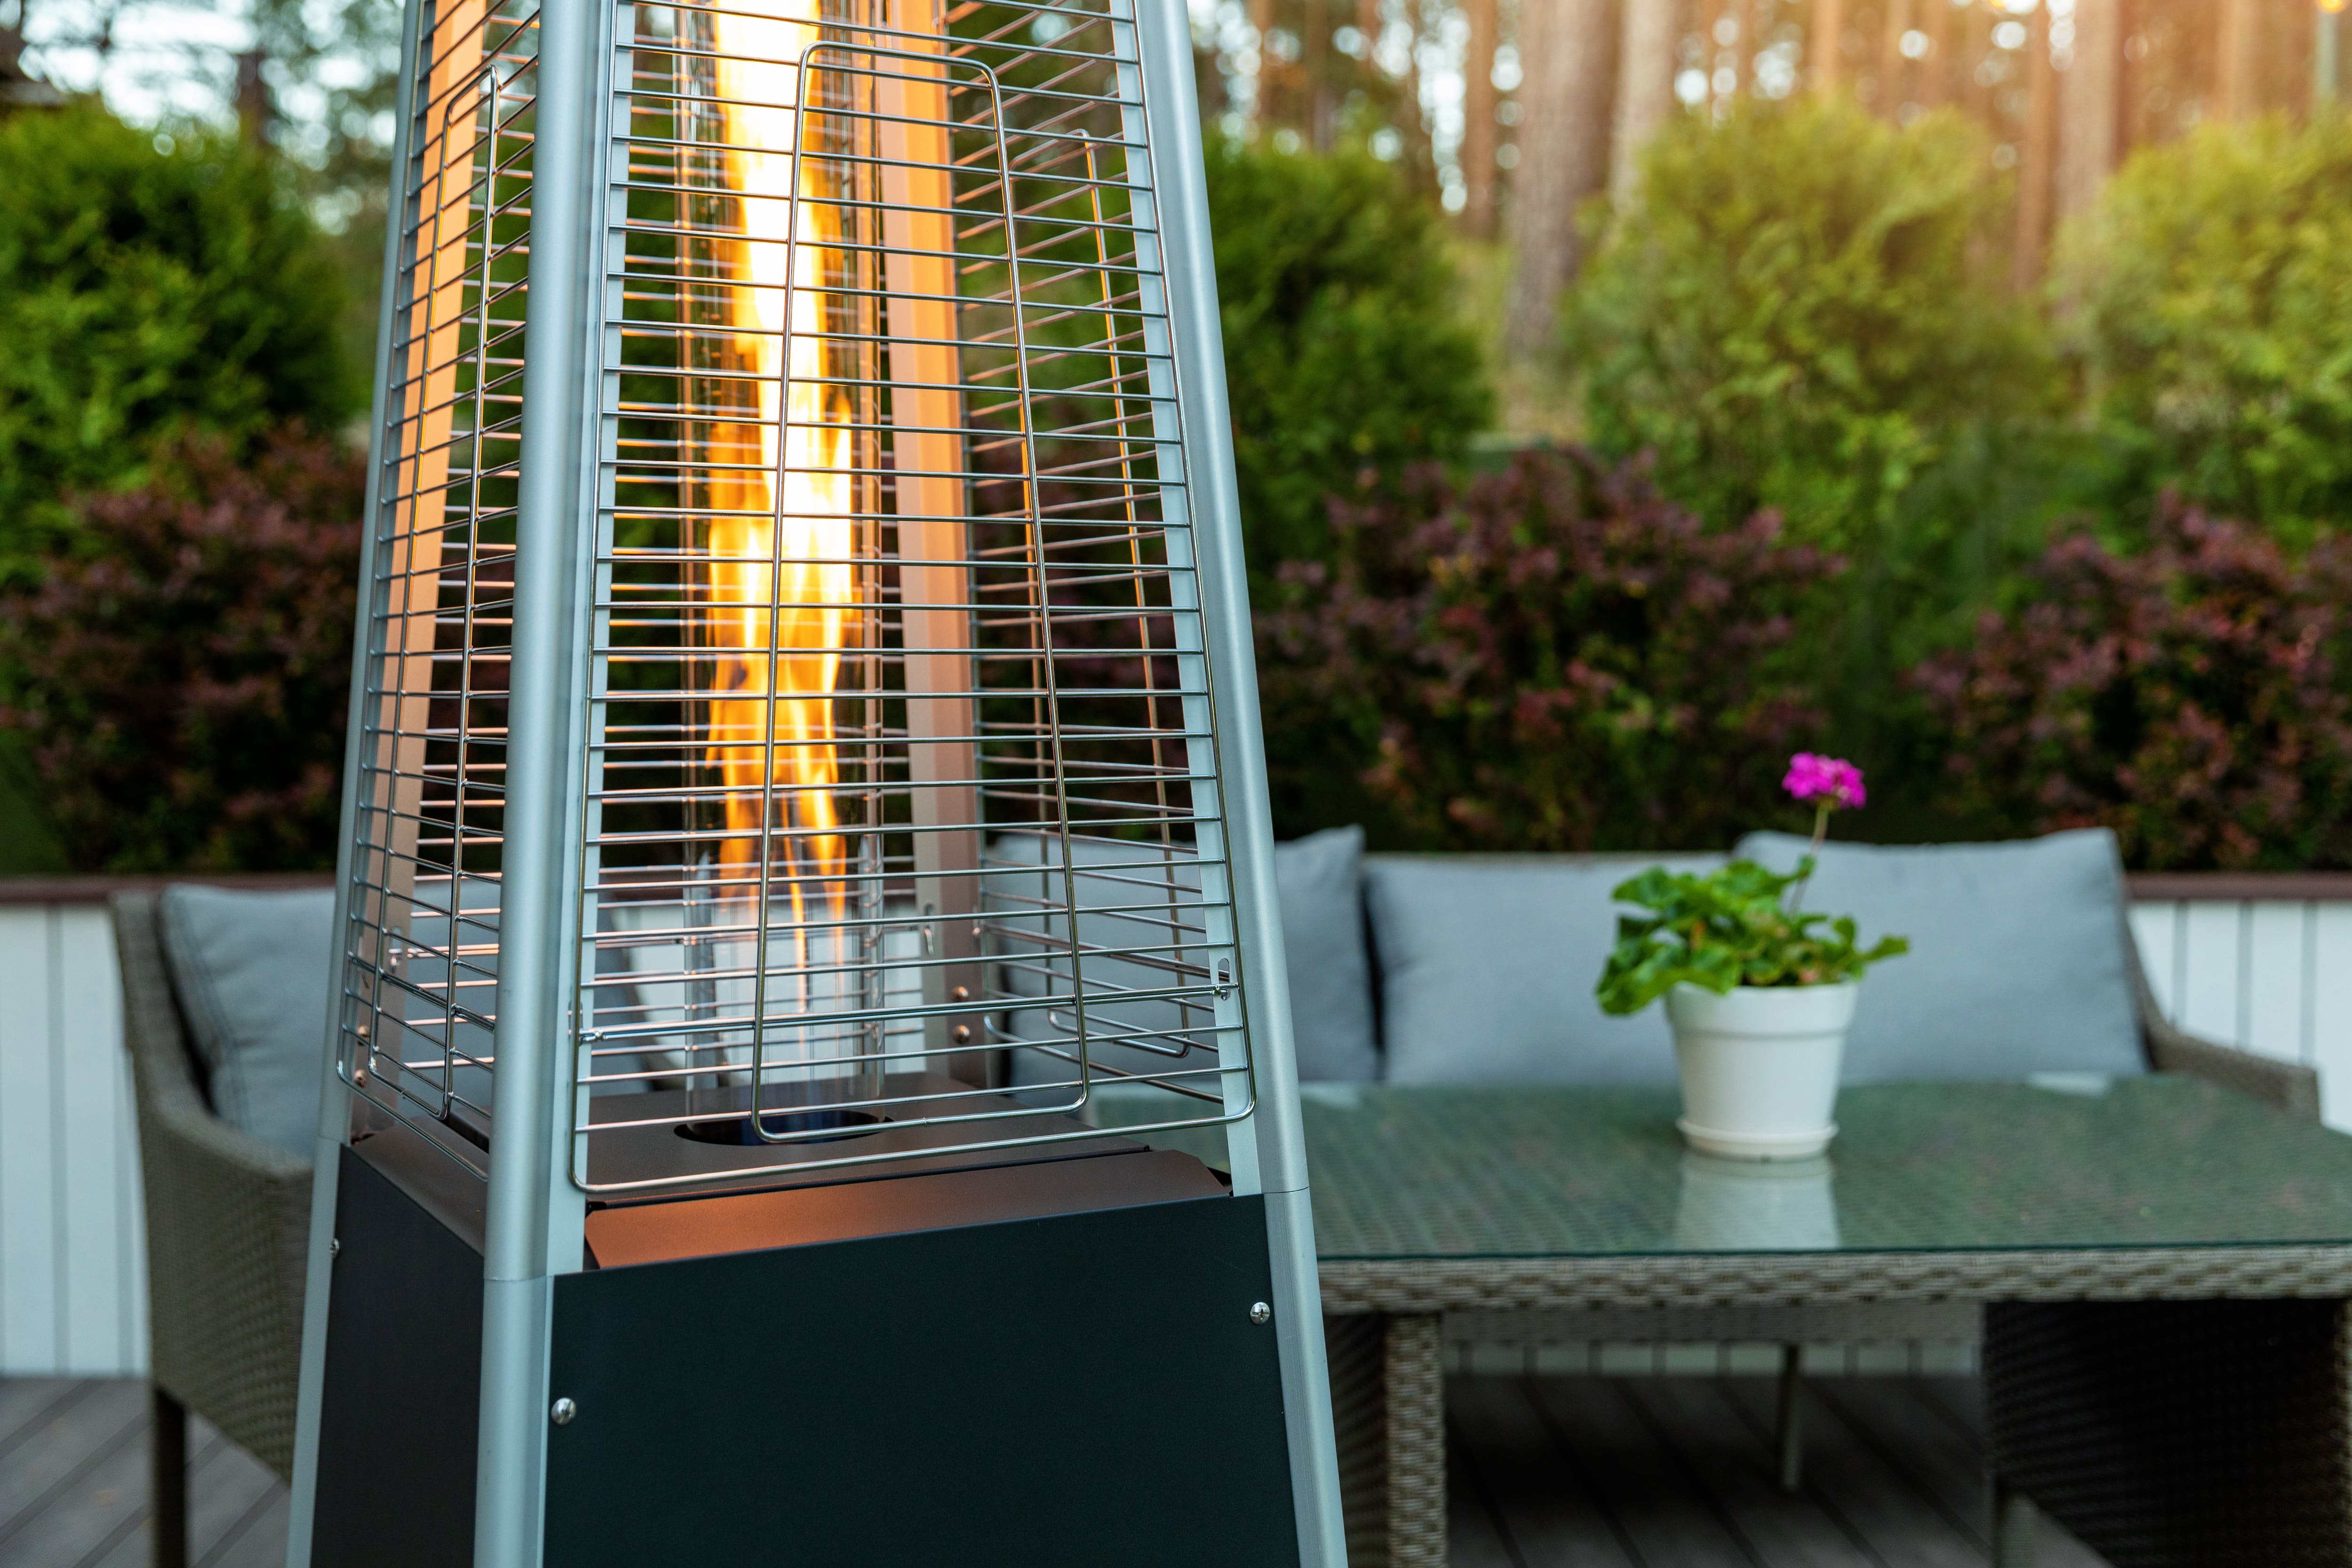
[72, 1249]
[2267, 975]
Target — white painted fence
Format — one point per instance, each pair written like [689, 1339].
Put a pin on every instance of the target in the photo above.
[73, 1280]
[2263, 963]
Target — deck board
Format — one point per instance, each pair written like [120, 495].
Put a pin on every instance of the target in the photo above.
[1535, 1499]
[74, 1483]
[1590, 1472]
[1681, 1472]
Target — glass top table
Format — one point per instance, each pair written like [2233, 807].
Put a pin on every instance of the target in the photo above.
[2156, 1162]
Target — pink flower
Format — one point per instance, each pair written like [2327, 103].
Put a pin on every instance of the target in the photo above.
[1830, 780]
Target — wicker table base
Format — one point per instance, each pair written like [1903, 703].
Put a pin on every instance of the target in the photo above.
[2170, 1405]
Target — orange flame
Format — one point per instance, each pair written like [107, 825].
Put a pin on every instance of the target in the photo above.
[791, 550]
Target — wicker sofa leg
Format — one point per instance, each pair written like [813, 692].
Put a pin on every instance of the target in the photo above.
[1415, 1379]
[2177, 1434]
[167, 1454]
[1388, 1404]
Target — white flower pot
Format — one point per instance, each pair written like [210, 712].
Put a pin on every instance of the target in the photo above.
[1760, 1067]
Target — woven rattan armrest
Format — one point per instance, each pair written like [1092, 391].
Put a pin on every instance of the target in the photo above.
[227, 1223]
[2287, 1086]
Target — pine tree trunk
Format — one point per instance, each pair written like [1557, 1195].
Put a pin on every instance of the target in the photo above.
[2034, 171]
[1645, 89]
[2092, 105]
[1824, 46]
[1565, 48]
[1889, 101]
[1264, 107]
[1317, 59]
[2236, 92]
[1936, 70]
[1975, 91]
[1478, 119]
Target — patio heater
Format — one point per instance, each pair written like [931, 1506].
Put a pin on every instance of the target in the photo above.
[812, 1080]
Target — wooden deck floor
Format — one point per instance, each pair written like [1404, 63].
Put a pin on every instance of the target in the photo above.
[1652, 1473]
[73, 1483]
[1679, 1472]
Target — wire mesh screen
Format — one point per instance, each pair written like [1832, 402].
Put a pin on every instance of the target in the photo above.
[901, 833]
[422, 940]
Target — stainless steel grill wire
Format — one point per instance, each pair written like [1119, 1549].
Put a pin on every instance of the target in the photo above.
[900, 774]
[422, 920]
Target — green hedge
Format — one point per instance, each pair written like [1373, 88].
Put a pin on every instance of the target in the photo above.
[1801, 314]
[145, 293]
[2208, 299]
[1346, 356]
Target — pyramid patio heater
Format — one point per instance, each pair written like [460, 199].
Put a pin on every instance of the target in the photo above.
[813, 1084]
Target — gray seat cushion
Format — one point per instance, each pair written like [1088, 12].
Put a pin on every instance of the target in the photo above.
[1487, 964]
[1319, 880]
[2019, 960]
[253, 971]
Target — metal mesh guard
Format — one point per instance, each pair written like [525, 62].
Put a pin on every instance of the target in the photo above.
[900, 807]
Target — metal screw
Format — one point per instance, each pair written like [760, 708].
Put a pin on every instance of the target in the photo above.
[1224, 978]
[962, 1033]
[561, 1412]
[335, 1246]
[1261, 1313]
[964, 993]
[359, 1077]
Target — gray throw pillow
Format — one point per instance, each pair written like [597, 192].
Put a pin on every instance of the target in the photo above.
[1319, 880]
[2018, 961]
[1487, 964]
[253, 971]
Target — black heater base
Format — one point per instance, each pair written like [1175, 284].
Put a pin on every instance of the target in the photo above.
[1069, 1388]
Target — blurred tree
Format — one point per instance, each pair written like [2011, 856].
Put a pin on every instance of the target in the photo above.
[181, 689]
[1568, 48]
[1803, 313]
[2211, 312]
[1344, 358]
[145, 292]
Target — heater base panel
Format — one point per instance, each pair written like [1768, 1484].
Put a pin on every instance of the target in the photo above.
[400, 1420]
[1078, 1389]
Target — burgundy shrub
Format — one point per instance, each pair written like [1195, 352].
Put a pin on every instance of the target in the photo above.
[181, 682]
[1554, 658]
[2193, 697]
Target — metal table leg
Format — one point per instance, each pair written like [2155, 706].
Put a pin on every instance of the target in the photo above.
[1791, 1435]
[2016, 1524]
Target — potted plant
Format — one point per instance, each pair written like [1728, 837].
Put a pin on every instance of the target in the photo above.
[1760, 993]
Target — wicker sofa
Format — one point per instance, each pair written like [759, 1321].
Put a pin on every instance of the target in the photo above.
[227, 1229]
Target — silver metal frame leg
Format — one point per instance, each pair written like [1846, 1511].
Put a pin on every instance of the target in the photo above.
[2016, 1524]
[1791, 1433]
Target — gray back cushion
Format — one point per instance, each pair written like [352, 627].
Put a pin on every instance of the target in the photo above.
[1319, 879]
[1135, 902]
[2018, 961]
[1487, 964]
[253, 971]
[1316, 882]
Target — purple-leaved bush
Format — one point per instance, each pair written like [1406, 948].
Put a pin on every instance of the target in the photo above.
[1553, 658]
[2195, 697]
[181, 684]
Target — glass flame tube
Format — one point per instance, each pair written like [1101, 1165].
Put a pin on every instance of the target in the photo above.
[784, 595]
